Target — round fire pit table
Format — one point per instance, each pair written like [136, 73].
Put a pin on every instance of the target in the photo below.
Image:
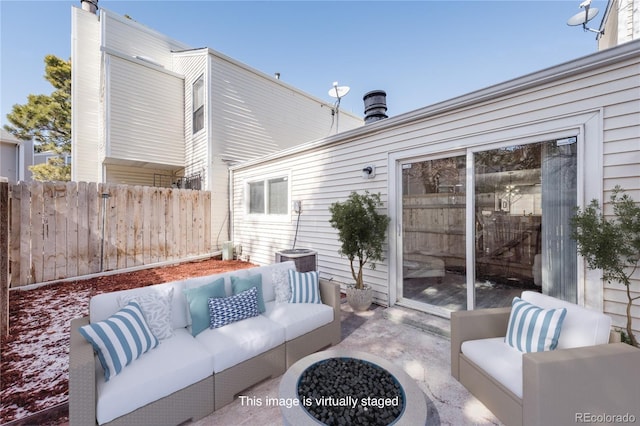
[414, 404]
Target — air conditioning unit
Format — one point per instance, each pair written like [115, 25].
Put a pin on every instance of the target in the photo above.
[305, 259]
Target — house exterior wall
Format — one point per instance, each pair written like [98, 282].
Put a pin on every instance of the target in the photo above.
[131, 38]
[193, 64]
[124, 108]
[129, 175]
[144, 104]
[132, 107]
[133, 111]
[142, 96]
[86, 112]
[620, 23]
[9, 166]
[253, 114]
[15, 157]
[596, 98]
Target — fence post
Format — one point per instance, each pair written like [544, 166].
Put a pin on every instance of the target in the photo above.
[4, 258]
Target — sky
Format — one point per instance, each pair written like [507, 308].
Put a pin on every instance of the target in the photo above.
[418, 52]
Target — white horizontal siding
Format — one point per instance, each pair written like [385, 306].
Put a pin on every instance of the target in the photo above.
[145, 119]
[326, 172]
[622, 167]
[253, 114]
[127, 175]
[192, 65]
[134, 39]
[219, 171]
[86, 113]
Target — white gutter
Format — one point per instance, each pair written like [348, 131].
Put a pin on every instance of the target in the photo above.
[577, 66]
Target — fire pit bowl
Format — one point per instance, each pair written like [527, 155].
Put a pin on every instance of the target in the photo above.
[356, 387]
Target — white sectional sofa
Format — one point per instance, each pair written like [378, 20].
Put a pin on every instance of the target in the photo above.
[187, 377]
[582, 377]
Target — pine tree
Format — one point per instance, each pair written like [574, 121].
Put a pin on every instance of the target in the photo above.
[46, 119]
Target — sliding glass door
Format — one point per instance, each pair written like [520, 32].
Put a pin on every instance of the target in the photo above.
[433, 230]
[524, 198]
[521, 199]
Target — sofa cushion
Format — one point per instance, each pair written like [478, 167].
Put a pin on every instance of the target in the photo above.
[581, 326]
[155, 375]
[156, 307]
[120, 339]
[533, 329]
[239, 285]
[498, 360]
[240, 341]
[299, 318]
[225, 310]
[195, 282]
[198, 303]
[304, 287]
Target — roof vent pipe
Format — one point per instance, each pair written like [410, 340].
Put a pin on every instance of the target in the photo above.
[375, 106]
[89, 5]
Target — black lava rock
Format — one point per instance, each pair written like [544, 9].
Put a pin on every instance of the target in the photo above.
[350, 391]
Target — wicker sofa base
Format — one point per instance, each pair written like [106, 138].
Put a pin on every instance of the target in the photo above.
[232, 381]
[314, 341]
[498, 399]
[189, 404]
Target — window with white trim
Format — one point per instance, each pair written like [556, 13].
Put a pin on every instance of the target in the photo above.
[268, 196]
[198, 104]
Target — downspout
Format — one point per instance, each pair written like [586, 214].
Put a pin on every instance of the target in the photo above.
[230, 208]
[19, 164]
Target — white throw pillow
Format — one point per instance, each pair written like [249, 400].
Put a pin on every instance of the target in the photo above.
[280, 280]
[156, 308]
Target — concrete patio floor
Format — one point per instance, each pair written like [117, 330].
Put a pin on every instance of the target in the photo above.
[415, 341]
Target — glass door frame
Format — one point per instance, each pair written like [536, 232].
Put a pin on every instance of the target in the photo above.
[586, 125]
[396, 291]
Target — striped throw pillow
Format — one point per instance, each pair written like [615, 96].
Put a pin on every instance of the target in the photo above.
[533, 329]
[120, 339]
[304, 287]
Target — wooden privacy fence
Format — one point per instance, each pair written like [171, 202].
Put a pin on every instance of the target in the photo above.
[65, 229]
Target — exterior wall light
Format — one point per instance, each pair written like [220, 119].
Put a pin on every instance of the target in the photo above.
[368, 172]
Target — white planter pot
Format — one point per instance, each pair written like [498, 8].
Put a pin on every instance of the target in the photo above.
[359, 300]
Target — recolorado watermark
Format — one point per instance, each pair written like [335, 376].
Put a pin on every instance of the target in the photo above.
[605, 418]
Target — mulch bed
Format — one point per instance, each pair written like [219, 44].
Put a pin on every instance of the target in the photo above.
[35, 355]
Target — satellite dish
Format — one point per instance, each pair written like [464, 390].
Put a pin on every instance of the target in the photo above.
[338, 91]
[582, 18]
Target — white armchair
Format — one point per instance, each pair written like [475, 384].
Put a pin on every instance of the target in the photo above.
[584, 376]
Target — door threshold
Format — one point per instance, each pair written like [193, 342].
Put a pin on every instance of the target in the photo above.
[424, 307]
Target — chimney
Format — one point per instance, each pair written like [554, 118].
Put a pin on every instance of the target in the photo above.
[89, 5]
[375, 106]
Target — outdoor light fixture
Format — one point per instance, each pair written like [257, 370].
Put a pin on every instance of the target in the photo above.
[368, 172]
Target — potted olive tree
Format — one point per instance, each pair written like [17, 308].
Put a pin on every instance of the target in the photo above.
[361, 232]
[611, 244]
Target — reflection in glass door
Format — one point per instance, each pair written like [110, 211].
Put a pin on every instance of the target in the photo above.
[433, 232]
[510, 233]
[524, 198]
